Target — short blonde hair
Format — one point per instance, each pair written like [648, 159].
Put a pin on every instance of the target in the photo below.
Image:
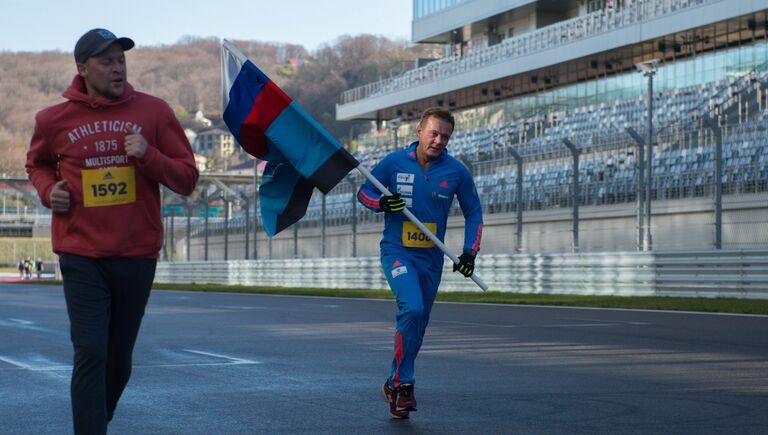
[437, 113]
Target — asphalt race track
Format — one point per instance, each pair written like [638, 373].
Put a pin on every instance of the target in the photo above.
[215, 363]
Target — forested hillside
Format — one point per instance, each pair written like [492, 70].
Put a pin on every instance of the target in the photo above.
[187, 76]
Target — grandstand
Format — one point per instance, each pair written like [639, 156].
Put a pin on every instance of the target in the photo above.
[527, 76]
[535, 84]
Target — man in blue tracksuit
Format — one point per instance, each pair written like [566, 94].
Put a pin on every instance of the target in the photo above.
[423, 178]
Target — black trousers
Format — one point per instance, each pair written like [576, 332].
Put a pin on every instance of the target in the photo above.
[105, 302]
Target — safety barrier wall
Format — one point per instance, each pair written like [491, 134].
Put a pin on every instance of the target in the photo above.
[736, 273]
[713, 273]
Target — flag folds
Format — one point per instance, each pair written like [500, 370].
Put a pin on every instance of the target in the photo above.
[270, 126]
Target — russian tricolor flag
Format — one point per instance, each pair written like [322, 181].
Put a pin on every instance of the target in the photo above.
[270, 126]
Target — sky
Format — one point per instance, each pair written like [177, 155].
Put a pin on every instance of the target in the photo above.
[41, 25]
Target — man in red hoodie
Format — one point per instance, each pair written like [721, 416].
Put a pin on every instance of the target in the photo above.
[97, 160]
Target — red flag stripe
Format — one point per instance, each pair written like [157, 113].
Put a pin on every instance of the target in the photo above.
[253, 140]
[270, 102]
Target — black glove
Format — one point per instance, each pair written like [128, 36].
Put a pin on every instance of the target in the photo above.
[466, 264]
[392, 203]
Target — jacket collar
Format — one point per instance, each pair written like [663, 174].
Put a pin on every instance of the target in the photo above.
[77, 93]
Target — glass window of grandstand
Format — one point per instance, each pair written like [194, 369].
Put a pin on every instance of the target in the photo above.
[695, 70]
[423, 8]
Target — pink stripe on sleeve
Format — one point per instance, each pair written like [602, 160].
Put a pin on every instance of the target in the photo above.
[368, 200]
[478, 236]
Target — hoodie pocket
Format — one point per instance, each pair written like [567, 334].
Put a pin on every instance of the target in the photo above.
[113, 230]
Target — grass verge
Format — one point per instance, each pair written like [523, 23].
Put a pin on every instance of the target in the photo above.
[712, 305]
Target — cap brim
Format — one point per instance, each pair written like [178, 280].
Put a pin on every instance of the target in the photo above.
[125, 43]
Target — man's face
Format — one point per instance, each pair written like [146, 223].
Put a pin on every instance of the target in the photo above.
[433, 137]
[104, 74]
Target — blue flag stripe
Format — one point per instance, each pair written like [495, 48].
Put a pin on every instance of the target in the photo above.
[300, 140]
[245, 89]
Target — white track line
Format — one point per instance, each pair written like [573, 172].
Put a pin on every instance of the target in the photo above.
[228, 361]
[22, 321]
[24, 366]
[216, 355]
[555, 325]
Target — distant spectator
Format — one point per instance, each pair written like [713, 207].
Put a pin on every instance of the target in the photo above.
[20, 267]
[39, 267]
[28, 268]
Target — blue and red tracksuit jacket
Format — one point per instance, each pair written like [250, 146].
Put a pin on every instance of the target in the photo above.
[428, 195]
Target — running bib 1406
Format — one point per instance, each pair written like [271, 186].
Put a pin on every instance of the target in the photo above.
[414, 238]
[109, 186]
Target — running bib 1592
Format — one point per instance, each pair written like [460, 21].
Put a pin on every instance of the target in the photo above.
[414, 238]
[108, 186]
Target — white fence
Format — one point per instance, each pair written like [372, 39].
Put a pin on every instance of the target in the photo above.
[741, 274]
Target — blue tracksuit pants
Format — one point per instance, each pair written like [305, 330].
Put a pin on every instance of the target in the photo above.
[414, 280]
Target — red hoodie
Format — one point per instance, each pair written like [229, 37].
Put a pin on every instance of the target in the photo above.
[114, 199]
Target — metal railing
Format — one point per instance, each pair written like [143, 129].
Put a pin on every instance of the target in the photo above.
[740, 274]
[724, 273]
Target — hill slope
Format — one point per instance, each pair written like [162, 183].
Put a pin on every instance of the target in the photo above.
[187, 76]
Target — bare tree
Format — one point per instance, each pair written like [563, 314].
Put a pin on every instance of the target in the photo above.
[187, 76]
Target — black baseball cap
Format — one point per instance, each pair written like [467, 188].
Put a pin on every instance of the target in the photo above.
[96, 41]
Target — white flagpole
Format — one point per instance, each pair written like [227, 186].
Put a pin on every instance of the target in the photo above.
[231, 57]
[367, 174]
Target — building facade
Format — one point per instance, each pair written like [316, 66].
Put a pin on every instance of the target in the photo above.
[547, 55]
[215, 143]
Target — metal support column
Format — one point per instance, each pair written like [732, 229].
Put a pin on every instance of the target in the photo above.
[170, 235]
[165, 237]
[247, 224]
[648, 241]
[205, 225]
[351, 181]
[164, 223]
[649, 70]
[189, 228]
[519, 199]
[226, 227]
[322, 228]
[296, 240]
[256, 211]
[718, 133]
[640, 187]
[575, 151]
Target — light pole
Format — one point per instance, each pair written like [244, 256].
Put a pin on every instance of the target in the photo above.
[256, 210]
[353, 182]
[648, 69]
